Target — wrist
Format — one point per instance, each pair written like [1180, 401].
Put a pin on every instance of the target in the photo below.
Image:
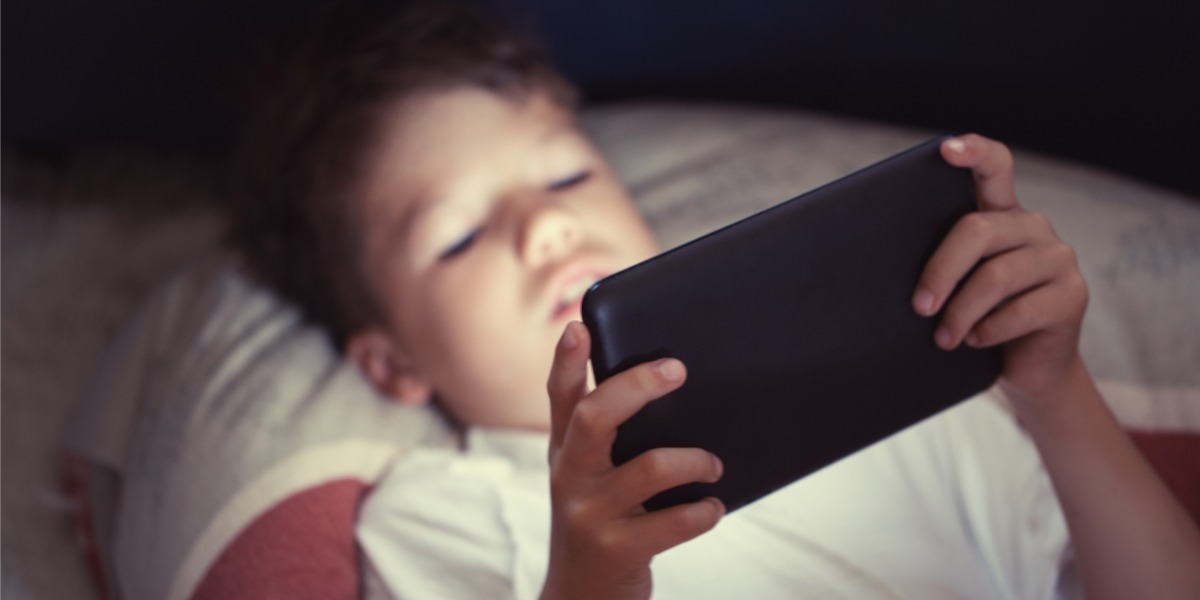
[568, 578]
[1059, 403]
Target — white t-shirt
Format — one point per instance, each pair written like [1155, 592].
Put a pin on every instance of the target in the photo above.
[955, 507]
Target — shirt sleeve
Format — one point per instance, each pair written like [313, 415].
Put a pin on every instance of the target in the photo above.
[434, 530]
[1006, 500]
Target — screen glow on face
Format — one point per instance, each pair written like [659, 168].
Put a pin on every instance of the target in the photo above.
[485, 218]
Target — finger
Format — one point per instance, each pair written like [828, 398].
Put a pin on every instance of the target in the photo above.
[991, 163]
[567, 383]
[664, 529]
[1039, 309]
[996, 281]
[976, 236]
[661, 469]
[593, 424]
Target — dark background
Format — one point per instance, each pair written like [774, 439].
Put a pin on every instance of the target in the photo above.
[1109, 83]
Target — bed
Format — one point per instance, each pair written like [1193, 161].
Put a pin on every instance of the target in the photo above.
[88, 237]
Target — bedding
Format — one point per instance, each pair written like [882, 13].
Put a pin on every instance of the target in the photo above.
[970, 513]
[192, 390]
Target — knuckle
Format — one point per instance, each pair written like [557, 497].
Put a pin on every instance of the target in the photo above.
[986, 330]
[1000, 151]
[1039, 222]
[588, 418]
[645, 382]
[938, 275]
[560, 388]
[681, 522]
[932, 277]
[1019, 313]
[995, 275]
[952, 317]
[685, 523]
[578, 516]
[655, 465]
[632, 381]
[983, 332]
[1080, 283]
[977, 225]
[554, 389]
[1078, 288]
[1004, 156]
[1064, 254]
[609, 543]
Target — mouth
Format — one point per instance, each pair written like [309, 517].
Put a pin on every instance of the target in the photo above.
[569, 297]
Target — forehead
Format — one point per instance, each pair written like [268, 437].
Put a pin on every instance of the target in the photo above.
[440, 132]
[433, 141]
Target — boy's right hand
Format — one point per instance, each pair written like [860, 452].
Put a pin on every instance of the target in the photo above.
[602, 540]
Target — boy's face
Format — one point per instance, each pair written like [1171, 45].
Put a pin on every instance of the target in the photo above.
[485, 220]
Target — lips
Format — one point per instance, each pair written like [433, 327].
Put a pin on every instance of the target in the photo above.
[570, 286]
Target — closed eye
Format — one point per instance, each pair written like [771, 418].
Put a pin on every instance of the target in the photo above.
[460, 246]
[567, 182]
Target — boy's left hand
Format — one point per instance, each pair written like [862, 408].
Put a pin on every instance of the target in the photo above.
[601, 539]
[1026, 292]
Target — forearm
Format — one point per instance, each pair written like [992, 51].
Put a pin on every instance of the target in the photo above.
[1131, 537]
[586, 582]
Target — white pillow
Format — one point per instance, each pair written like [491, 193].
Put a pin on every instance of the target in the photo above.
[223, 413]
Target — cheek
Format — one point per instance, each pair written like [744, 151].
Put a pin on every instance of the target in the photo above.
[474, 314]
[490, 361]
[616, 218]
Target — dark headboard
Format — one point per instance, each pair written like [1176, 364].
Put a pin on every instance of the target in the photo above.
[1104, 82]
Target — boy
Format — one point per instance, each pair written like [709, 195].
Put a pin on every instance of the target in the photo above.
[421, 188]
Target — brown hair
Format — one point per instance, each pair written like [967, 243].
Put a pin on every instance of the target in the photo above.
[310, 128]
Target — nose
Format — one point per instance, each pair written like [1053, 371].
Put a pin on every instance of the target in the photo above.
[550, 233]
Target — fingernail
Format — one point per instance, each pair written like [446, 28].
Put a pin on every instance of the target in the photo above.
[923, 300]
[569, 340]
[942, 337]
[669, 369]
[719, 466]
[957, 146]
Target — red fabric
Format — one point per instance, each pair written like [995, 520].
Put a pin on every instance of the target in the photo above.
[302, 547]
[75, 486]
[1176, 457]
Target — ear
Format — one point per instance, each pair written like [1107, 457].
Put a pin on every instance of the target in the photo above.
[388, 367]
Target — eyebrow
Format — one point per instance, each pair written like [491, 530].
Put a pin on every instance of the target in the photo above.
[403, 229]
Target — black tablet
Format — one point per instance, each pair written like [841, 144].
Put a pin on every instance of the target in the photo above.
[797, 329]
